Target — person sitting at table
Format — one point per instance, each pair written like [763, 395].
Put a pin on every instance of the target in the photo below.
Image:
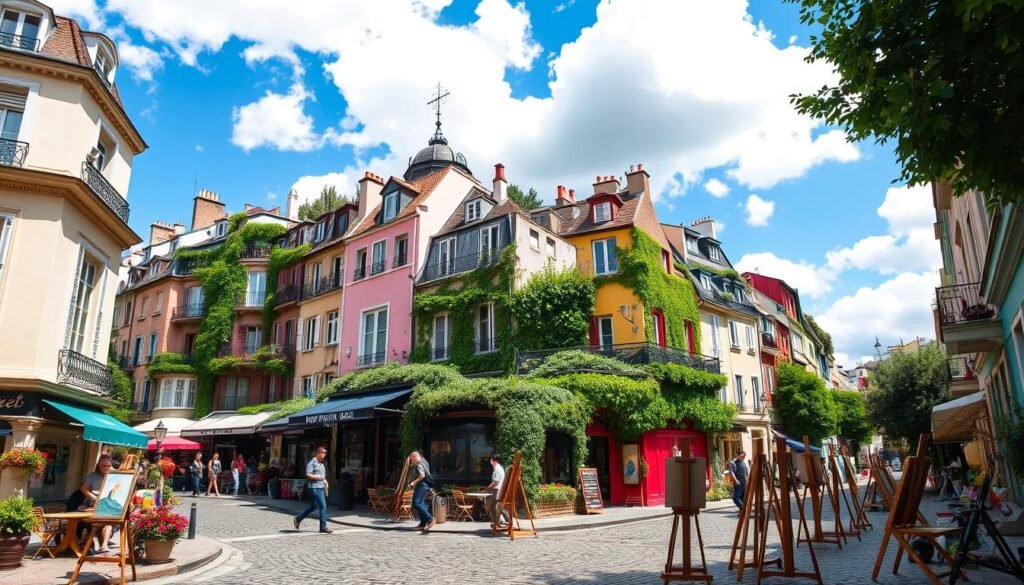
[88, 493]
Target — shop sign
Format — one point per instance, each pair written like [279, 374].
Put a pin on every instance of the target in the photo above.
[326, 418]
[20, 404]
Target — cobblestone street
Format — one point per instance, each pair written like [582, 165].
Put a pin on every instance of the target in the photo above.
[269, 550]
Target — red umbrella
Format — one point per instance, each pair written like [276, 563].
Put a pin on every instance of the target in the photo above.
[174, 443]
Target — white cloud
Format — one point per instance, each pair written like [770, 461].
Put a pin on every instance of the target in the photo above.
[275, 120]
[759, 211]
[200, 148]
[792, 39]
[694, 118]
[309, 186]
[142, 61]
[716, 188]
[897, 308]
[811, 280]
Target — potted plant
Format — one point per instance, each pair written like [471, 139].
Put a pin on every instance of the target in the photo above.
[16, 524]
[158, 529]
[554, 499]
[22, 462]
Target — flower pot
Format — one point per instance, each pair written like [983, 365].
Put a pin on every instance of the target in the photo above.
[20, 473]
[12, 548]
[159, 551]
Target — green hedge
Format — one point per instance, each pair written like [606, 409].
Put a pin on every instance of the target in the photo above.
[169, 363]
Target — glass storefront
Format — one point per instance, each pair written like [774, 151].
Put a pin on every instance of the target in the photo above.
[460, 453]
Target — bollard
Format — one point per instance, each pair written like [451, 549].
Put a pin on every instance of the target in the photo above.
[192, 522]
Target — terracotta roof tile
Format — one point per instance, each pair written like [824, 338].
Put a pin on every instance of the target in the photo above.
[423, 187]
[67, 44]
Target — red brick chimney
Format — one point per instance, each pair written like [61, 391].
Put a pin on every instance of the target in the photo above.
[563, 198]
[207, 209]
[500, 190]
[160, 232]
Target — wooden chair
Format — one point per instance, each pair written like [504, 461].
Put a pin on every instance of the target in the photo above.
[460, 510]
[372, 501]
[56, 508]
[902, 523]
[46, 530]
[405, 512]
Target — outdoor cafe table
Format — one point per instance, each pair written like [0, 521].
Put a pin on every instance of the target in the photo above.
[479, 497]
[70, 539]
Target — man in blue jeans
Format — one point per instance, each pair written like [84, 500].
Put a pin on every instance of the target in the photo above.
[420, 488]
[316, 485]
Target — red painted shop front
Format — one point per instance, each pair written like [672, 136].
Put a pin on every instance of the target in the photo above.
[654, 447]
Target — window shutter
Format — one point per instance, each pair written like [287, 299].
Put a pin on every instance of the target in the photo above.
[595, 334]
[316, 331]
[298, 333]
[13, 98]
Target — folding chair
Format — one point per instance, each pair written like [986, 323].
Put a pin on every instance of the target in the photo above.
[46, 531]
[902, 523]
[406, 510]
[461, 510]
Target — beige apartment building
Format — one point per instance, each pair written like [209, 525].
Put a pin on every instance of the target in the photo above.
[66, 151]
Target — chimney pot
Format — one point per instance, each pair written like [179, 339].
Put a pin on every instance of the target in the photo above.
[640, 167]
[572, 195]
[499, 172]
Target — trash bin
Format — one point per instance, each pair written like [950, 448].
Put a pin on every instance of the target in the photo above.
[274, 486]
[346, 493]
[440, 509]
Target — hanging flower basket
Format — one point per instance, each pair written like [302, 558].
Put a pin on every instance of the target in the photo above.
[22, 462]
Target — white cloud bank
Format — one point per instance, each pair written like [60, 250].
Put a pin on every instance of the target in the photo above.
[759, 211]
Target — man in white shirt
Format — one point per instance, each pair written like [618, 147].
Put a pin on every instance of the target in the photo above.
[497, 479]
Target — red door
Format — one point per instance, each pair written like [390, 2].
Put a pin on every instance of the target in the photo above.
[690, 341]
[656, 447]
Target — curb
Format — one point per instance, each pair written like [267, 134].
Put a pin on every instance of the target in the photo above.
[171, 570]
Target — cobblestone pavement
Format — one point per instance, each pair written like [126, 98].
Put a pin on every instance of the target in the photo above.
[270, 551]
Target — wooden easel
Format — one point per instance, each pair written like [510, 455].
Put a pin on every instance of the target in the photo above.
[781, 509]
[760, 484]
[395, 514]
[860, 517]
[690, 508]
[512, 496]
[813, 483]
[126, 550]
[837, 488]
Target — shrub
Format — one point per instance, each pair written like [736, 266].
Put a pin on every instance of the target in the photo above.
[553, 309]
[16, 517]
[575, 360]
[555, 493]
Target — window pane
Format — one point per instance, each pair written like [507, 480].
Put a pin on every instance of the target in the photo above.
[382, 332]
[12, 125]
[9, 24]
[613, 263]
[369, 320]
[599, 259]
[30, 30]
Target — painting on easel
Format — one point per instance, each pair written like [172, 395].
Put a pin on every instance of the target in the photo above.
[114, 495]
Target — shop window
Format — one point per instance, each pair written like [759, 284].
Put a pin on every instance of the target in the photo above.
[557, 458]
[461, 453]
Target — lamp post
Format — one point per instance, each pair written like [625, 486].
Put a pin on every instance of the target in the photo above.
[159, 433]
[764, 402]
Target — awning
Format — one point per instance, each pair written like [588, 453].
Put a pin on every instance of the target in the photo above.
[796, 446]
[175, 443]
[172, 423]
[222, 422]
[102, 428]
[346, 408]
[953, 421]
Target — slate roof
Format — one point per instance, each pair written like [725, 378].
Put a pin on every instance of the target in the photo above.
[637, 209]
[457, 221]
[67, 44]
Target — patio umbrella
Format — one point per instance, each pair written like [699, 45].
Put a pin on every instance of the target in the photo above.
[174, 443]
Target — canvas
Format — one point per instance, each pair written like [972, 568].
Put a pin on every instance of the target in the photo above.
[115, 493]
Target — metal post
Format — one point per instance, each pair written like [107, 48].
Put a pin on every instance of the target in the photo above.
[192, 522]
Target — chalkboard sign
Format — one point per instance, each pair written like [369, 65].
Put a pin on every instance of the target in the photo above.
[591, 490]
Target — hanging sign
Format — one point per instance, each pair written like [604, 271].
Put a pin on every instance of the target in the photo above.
[19, 403]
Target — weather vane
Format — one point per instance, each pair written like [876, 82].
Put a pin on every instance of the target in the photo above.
[440, 97]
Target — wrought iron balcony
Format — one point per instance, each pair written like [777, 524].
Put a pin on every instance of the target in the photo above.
[768, 340]
[126, 363]
[371, 359]
[13, 153]
[188, 311]
[253, 299]
[400, 260]
[284, 349]
[962, 303]
[239, 350]
[460, 265]
[20, 42]
[359, 273]
[254, 250]
[959, 369]
[378, 267]
[105, 191]
[287, 294]
[485, 345]
[631, 353]
[321, 286]
[78, 370]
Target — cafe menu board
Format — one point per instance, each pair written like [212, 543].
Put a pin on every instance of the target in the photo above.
[592, 502]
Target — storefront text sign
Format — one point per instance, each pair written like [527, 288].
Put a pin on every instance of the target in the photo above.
[330, 417]
[19, 404]
[592, 501]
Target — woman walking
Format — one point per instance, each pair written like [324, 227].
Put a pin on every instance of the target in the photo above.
[238, 471]
[214, 469]
[195, 472]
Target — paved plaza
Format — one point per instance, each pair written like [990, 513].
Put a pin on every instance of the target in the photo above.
[262, 547]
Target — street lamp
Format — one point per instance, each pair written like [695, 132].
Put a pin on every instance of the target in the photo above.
[764, 402]
[159, 433]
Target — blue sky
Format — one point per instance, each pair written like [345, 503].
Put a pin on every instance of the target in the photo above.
[249, 106]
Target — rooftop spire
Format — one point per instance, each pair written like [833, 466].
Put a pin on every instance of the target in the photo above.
[439, 98]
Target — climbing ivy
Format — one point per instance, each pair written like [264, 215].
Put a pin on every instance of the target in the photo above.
[575, 360]
[224, 280]
[280, 258]
[641, 269]
[460, 296]
[553, 309]
[169, 363]
[123, 392]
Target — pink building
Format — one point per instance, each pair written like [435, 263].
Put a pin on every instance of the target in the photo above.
[387, 249]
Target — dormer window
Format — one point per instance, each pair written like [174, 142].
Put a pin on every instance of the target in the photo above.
[104, 64]
[320, 231]
[602, 212]
[714, 253]
[390, 209]
[705, 281]
[222, 228]
[19, 30]
[691, 245]
[155, 268]
[473, 211]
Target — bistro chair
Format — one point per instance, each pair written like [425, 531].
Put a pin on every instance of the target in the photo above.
[46, 530]
[374, 502]
[406, 509]
[461, 510]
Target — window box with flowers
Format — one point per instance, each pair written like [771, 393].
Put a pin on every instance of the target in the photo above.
[23, 462]
[555, 499]
[158, 529]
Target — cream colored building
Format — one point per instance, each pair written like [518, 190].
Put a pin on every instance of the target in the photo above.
[66, 150]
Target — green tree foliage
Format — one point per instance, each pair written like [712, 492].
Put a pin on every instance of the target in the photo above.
[904, 388]
[169, 363]
[123, 392]
[804, 404]
[329, 200]
[941, 79]
[526, 201]
[553, 309]
[826, 339]
[852, 418]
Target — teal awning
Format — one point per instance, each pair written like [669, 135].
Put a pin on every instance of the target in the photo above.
[102, 428]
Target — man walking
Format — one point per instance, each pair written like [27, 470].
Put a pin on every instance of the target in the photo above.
[421, 485]
[738, 468]
[316, 485]
[493, 505]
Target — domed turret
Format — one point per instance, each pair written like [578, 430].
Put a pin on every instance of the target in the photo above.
[436, 156]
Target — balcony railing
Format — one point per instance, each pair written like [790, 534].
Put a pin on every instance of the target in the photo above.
[460, 264]
[252, 299]
[78, 370]
[768, 340]
[13, 153]
[485, 345]
[321, 286]
[126, 363]
[400, 260]
[631, 353]
[256, 250]
[240, 350]
[962, 303]
[959, 369]
[359, 273]
[186, 267]
[105, 191]
[378, 267]
[188, 311]
[19, 42]
[369, 359]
